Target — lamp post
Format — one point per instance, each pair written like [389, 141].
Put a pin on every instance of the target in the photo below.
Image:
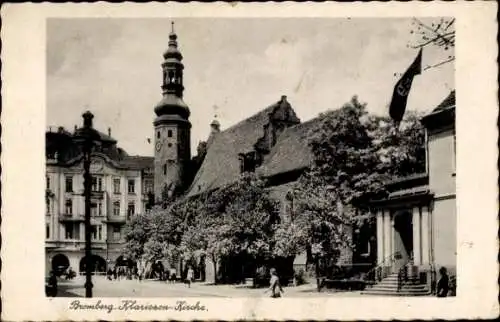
[87, 136]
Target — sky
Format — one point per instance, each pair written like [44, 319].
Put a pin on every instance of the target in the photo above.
[234, 67]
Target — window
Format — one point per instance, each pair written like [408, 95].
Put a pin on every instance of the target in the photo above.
[158, 134]
[96, 209]
[169, 133]
[99, 232]
[47, 205]
[131, 209]
[116, 233]
[96, 184]
[48, 182]
[116, 208]
[169, 145]
[47, 231]
[68, 228]
[165, 169]
[247, 162]
[116, 185]
[148, 186]
[69, 206]
[131, 186]
[93, 232]
[69, 183]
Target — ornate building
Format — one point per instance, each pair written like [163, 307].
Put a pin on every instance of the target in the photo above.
[120, 187]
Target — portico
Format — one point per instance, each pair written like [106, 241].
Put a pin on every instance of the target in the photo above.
[404, 226]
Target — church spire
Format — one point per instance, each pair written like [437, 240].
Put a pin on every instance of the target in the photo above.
[172, 84]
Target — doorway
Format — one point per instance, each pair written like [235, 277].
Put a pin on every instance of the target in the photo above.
[403, 237]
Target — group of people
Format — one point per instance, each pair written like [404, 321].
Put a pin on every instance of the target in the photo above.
[169, 275]
[123, 272]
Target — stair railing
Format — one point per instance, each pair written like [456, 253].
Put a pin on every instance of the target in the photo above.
[404, 276]
[383, 269]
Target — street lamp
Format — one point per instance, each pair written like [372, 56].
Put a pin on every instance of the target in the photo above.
[86, 136]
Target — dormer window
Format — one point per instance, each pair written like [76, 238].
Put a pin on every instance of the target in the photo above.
[247, 162]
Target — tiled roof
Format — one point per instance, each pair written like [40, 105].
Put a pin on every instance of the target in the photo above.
[221, 164]
[449, 101]
[291, 152]
[137, 162]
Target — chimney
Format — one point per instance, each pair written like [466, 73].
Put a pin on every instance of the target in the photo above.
[76, 127]
[109, 131]
[283, 98]
[60, 129]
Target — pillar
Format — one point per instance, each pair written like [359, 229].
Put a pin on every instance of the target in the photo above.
[380, 237]
[425, 235]
[416, 236]
[387, 233]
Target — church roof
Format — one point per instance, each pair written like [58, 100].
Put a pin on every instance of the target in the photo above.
[221, 165]
[291, 152]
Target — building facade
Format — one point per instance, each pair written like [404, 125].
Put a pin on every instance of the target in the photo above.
[416, 224]
[121, 187]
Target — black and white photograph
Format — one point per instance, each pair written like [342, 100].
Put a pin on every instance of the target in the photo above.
[192, 157]
[250, 157]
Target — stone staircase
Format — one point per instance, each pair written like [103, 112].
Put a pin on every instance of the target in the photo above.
[389, 287]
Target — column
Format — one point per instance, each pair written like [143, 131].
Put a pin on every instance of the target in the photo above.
[380, 236]
[387, 233]
[416, 236]
[425, 236]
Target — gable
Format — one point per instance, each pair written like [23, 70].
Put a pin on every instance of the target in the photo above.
[221, 164]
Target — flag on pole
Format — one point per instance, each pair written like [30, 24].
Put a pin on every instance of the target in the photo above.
[402, 89]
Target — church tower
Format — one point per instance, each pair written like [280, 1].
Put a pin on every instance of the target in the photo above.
[172, 127]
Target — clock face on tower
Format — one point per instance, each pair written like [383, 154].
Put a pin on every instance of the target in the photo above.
[158, 146]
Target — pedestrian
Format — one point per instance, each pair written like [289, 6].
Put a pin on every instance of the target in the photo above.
[189, 276]
[173, 275]
[51, 289]
[443, 283]
[275, 285]
[166, 275]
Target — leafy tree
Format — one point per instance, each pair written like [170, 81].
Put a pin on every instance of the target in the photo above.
[137, 232]
[235, 220]
[355, 154]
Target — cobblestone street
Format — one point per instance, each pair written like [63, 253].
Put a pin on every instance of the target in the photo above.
[154, 288]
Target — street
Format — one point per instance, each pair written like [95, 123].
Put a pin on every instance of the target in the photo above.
[155, 288]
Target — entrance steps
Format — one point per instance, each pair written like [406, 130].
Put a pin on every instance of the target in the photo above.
[389, 287]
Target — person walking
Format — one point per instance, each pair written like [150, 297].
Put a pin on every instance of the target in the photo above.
[443, 283]
[189, 276]
[275, 285]
[51, 289]
[173, 275]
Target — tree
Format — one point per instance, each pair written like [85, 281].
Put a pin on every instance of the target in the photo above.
[355, 154]
[137, 232]
[439, 32]
[235, 220]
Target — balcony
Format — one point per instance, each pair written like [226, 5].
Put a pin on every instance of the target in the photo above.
[71, 218]
[74, 244]
[116, 220]
[97, 194]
